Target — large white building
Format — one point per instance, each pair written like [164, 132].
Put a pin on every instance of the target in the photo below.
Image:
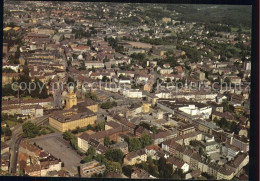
[203, 112]
[95, 64]
[187, 108]
[133, 93]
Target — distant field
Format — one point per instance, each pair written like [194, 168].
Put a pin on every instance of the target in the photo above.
[244, 30]
[139, 44]
[234, 15]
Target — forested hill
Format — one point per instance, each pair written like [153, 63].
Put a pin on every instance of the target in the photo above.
[234, 15]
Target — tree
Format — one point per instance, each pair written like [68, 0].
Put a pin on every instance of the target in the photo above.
[82, 67]
[168, 80]
[149, 160]
[180, 173]
[138, 56]
[143, 165]
[105, 79]
[91, 151]
[92, 96]
[67, 135]
[90, 155]
[165, 170]
[21, 173]
[161, 163]
[100, 126]
[146, 140]
[225, 105]
[145, 125]
[227, 80]
[234, 127]
[153, 170]
[115, 155]
[87, 159]
[6, 131]
[7, 90]
[38, 92]
[154, 129]
[128, 170]
[108, 104]
[223, 123]
[89, 42]
[71, 81]
[134, 144]
[90, 127]
[30, 130]
[107, 141]
[74, 142]
[201, 151]
[100, 158]
[176, 177]
[113, 167]
[93, 68]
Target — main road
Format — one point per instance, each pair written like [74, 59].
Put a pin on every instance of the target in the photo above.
[17, 138]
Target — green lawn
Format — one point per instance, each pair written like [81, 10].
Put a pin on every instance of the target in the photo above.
[244, 29]
[11, 123]
[47, 130]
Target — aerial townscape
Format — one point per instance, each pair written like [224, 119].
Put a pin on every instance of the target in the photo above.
[117, 90]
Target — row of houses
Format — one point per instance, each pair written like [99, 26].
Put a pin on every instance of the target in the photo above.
[34, 161]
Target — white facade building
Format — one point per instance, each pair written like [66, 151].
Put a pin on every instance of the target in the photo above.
[203, 112]
[133, 93]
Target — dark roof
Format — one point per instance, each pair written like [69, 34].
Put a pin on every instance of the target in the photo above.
[174, 161]
[134, 154]
[102, 134]
[141, 130]
[87, 102]
[161, 134]
[225, 171]
[242, 138]
[180, 148]
[112, 124]
[101, 148]
[79, 112]
[195, 173]
[238, 160]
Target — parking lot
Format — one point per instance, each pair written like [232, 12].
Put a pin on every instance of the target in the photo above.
[59, 148]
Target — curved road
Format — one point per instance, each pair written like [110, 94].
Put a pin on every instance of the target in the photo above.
[17, 138]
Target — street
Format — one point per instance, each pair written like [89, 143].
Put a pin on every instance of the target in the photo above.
[16, 139]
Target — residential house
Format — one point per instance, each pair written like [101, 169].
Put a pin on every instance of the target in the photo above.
[178, 164]
[123, 146]
[135, 157]
[141, 174]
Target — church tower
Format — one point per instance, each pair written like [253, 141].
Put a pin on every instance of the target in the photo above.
[71, 99]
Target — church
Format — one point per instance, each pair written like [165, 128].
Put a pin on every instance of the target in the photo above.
[74, 114]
